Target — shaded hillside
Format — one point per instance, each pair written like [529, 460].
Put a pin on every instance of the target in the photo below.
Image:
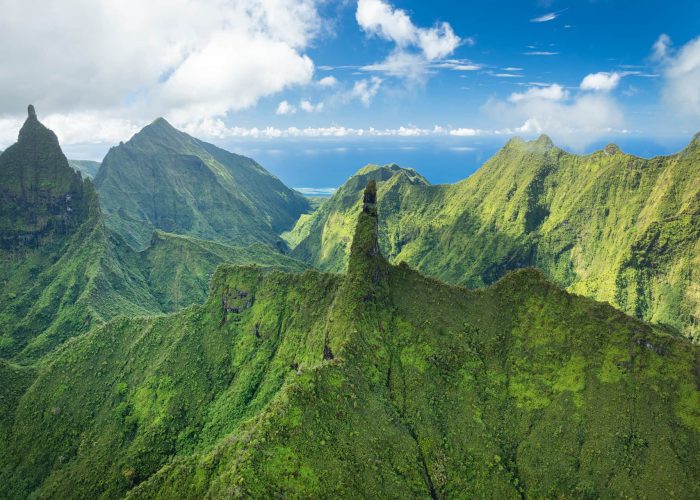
[164, 179]
[608, 225]
[379, 383]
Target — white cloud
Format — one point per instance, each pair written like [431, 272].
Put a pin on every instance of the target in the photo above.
[464, 132]
[575, 121]
[552, 92]
[661, 47]
[401, 64]
[414, 47]
[284, 108]
[550, 16]
[216, 128]
[309, 107]
[602, 81]
[365, 90]
[185, 59]
[437, 42]
[377, 17]
[681, 72]
[328, 81]
[540, 53]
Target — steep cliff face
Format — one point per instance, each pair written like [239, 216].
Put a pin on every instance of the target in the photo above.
[167, 180]
[618, 228]
[41, 197]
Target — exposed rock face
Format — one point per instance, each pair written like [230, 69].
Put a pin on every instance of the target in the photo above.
[369, 204]
[41, 196]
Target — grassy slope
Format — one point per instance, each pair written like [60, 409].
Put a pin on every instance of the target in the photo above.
[608, 225]
[57, 293]
[179, 268]
[381, 383]
[165, 179]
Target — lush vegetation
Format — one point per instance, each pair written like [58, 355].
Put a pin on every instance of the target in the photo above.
[164, 179]
[611, 226]
[62, 271]
[378, 383]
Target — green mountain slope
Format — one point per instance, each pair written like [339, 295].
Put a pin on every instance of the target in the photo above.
[378, 383]
[164, 179]
[611, 226]
[87, 168]
[179, 268]
[62, 271]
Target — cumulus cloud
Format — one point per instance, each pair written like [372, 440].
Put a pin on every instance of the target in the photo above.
[186, 59]
[328, 81]
[464, 132]
[284, 108]
[602, 81]
[309, 107]
[415, 47]
[365, 90]
[379, 18]
[216, 128]
[554, 92]
[573, 120]
[681, 73]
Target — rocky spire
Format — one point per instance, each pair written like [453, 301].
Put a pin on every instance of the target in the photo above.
[369, 202]
[367, 265]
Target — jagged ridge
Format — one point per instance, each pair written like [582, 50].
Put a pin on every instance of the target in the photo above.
[306, 385]
[609, 225]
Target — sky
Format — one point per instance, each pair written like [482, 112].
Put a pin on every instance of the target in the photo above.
[314, 89]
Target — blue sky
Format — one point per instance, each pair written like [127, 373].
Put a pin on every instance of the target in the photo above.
[314, 89]
[502, 41]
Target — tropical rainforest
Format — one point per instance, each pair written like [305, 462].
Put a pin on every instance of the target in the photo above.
[175, 322]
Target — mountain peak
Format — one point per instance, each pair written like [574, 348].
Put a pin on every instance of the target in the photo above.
[544, 140]
[48, 196]
[612, 149]
[162, 125]
[369, 201]
[366, 262]
[161, 122]
[34, 130]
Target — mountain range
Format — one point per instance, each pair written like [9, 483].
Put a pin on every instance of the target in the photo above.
[377, 383]
[608, 225]
[158, 340]
[63, 270]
